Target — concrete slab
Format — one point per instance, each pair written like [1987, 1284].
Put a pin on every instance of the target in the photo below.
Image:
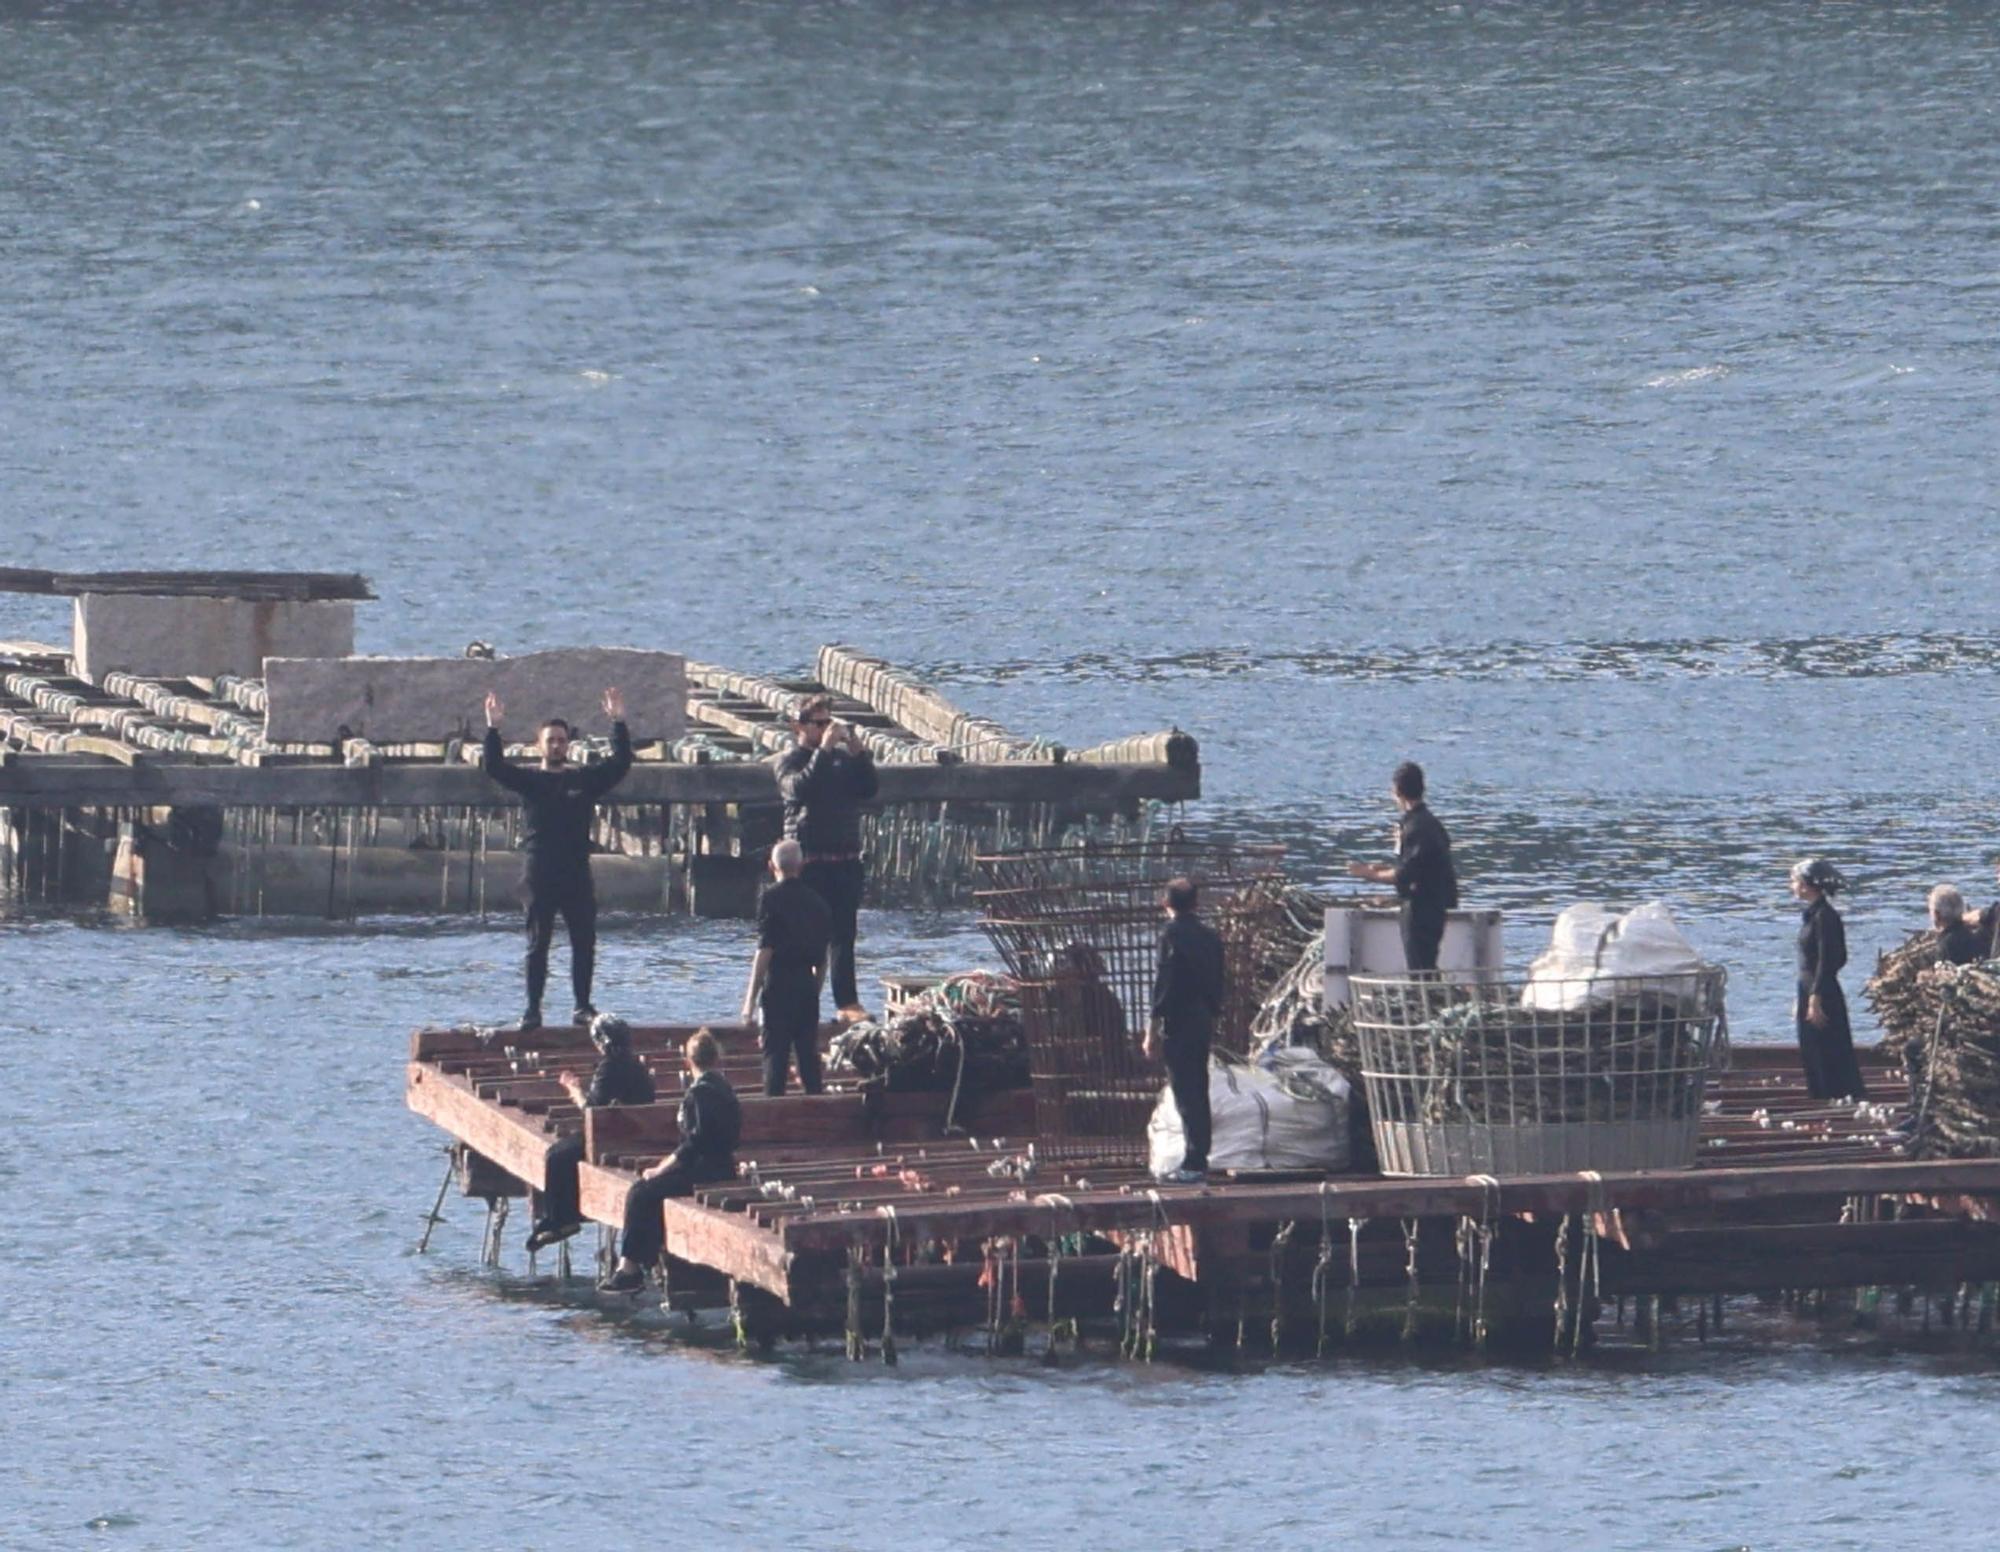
[168, 638]
[391, 700]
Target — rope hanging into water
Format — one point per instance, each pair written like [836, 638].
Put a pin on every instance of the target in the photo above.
[888, 1211]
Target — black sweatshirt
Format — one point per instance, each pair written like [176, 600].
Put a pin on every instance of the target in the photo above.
[1822, 951]
[711, 1121]
[558, 805]
[621, 1079]
[823, 791]
[1425, 876]
[1189, 981]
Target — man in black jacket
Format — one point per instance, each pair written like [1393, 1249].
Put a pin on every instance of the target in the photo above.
[824, 781]
[1425, 879]
[559, 800]
[620, 1079]
[793, 926]
[1189, 983]
[711, 1122]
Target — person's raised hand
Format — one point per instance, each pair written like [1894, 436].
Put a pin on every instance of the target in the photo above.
[614, 704]
[494, 709]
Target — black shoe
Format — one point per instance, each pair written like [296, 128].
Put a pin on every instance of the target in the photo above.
[623, 1282]
[547, 1234]
[583, 1015]
[531, 1020]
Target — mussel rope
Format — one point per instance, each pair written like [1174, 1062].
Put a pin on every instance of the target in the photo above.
[1410, 1227]
[1489, 1230]
[1057, 1203]
[1562, 1276]
[1323, 1268]
[856, 1347]
[888, 1211]
[1279, 1242]
[1353, 1274]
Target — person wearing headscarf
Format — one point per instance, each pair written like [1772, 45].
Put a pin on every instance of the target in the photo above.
[1826, 1041]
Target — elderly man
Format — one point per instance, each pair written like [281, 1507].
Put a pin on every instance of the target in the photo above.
[711, 1122]
[559, 801]
[793, 928]
[824, 780]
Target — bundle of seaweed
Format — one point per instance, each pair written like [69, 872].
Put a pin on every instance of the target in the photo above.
[1640, 1056]
[1959, 1113]
[965, 1033]
[1903, 991]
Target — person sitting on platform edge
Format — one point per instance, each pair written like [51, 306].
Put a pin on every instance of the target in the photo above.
[711, 1121]
[620, 1079]
[793, 927]
[823, 782]
[1189, 984]
[558, 803]
[1423, 874]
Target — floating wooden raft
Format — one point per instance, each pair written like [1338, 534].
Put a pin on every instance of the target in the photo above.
[857, 1211]
[136, 741]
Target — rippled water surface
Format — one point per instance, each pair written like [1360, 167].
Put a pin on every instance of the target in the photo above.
[1594, 402]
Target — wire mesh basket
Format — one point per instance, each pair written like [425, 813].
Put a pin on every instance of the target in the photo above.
[1471, 1074]
[1078, 927]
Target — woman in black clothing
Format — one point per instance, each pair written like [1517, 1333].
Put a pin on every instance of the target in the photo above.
[1826, 1043]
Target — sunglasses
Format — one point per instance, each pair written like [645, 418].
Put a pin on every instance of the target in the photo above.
[819, 722]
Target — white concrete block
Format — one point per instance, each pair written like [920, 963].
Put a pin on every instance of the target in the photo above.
[399, 700]
[167, 638]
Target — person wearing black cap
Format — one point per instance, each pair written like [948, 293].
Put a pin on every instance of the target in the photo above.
[620, 1079]
[559, 801]
[1826, 1042]
[1425, 879]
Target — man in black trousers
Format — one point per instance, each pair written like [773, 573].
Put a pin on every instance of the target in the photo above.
[559, 801]
[824, 781]
[620, 1079]
[711, 1122]
[1425, 879]
[1189, 983]
[793, 926]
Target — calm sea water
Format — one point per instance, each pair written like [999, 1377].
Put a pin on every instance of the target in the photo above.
[1592, 401]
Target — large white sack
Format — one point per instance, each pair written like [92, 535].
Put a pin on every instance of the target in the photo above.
[1288, 1112]
[1594, 952]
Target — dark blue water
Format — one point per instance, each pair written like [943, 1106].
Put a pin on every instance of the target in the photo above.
[1592, 401]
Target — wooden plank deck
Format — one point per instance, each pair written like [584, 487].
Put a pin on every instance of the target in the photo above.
[822, 1177]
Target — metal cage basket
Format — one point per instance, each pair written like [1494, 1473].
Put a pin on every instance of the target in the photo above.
[1078, 928]
[1471, 1074]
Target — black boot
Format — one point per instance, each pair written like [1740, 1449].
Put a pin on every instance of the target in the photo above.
[531, 1020]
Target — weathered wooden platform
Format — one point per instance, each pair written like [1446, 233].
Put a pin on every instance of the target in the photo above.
[849, 1203]
[165, 797]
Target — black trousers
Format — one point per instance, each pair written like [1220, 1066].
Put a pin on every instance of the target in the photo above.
[1187, 1071]
[791, 1031]
[575, 901]
[1423, 932]
[645, 1233]
[1827, 1052]
[839, 885]
[557, 1205]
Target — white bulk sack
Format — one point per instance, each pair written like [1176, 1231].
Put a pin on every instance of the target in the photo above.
[1594, 951]
[1288, 1112]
